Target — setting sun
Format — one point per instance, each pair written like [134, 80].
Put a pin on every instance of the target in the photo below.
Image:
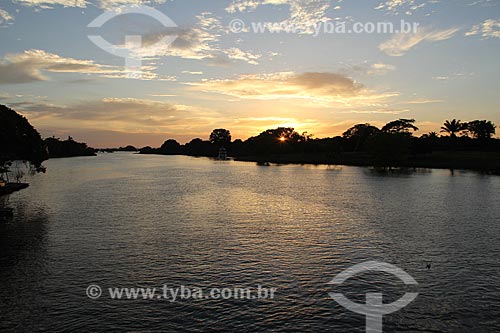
[282, 139]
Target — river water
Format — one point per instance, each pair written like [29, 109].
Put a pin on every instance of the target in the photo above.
[124, 221]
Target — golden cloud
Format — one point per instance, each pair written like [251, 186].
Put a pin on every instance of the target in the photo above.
[321, 88]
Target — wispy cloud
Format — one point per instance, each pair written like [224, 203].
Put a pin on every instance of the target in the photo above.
[105, 4]
[422, 101]
[488, 29]
[200, 42]
[46, 4]
[380, 69]
[304, 14]
[367, 69]
[379, 111]
[31, 66]
[484, 3]
[401, 43]
[453, 76]
[5, 17]
[406, 6]
[192, 72]
[246, 56]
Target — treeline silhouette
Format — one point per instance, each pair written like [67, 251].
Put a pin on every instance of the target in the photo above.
[468, 145]
[58, 148]
[128, 148]
[20, 141]
[460, 145]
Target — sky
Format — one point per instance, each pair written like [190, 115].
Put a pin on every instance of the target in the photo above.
[181, 68]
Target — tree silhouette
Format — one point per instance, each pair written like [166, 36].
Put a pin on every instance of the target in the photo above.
[278, 141]
[287, 134]
[400, 126]
[170, 147]
[67, 148]
[481, 129]
[453, 127]
[198, 147]
[360, 133]
[19, 140]
[220, 137]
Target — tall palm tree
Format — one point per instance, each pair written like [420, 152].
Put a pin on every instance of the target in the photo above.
[453, 127]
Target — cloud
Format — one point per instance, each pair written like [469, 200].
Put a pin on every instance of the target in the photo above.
[393, 5]
[322, 89]
[199, 42]
[369, 69]
[5, 17]
[488, 29]
[162, 95]
[423, 101]
[119, 121]
[237, 54]
[484, 3]
[107, 4]
[380, 69]
[104, 4]
[303, 14]
[244, 5]
[192, 73]
[453, 76]
[46, 4]
[30, 66]
[120, 114]
[191, 43]
[380, 111]
[408, 6]
[401, 43]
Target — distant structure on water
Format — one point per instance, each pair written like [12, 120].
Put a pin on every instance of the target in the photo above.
[222, 154]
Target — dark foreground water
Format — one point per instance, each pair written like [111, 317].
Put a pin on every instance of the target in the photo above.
[123, 220]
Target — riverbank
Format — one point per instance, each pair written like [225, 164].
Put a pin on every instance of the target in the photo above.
[488, 162]
[12, 187]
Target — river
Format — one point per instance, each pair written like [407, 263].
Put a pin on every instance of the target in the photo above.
[123, 221]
